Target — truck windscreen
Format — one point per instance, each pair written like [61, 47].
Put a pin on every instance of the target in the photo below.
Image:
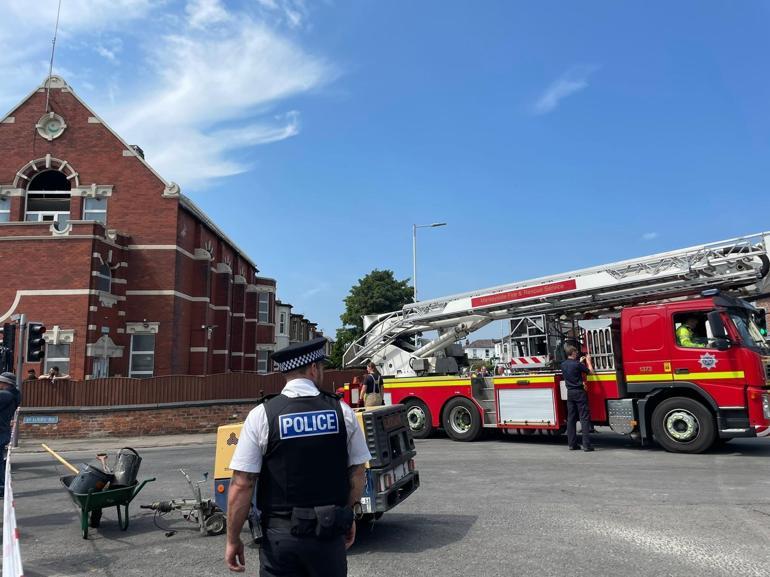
[748, 329]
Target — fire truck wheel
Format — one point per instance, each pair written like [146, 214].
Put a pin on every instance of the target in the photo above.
[419, 418]
[462, 421]
[683, 425]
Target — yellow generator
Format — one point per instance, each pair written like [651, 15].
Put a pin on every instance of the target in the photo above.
[391, 475]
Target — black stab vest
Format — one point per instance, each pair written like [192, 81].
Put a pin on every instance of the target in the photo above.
[306, 461]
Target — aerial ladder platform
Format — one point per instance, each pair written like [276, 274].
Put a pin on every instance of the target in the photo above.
[389, 339]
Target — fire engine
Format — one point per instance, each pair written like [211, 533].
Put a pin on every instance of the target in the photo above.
[647, 382]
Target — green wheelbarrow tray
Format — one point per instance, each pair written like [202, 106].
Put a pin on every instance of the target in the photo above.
[94, 501]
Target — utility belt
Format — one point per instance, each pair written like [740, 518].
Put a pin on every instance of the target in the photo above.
[324, 522]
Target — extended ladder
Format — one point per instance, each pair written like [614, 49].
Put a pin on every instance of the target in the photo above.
[728, 264]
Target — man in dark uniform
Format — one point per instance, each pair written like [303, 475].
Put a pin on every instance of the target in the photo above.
[307, 452]
[577, 398]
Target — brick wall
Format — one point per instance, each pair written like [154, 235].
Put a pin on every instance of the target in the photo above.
[135, 421]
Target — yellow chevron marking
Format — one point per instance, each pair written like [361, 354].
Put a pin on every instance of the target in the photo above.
[685, 377]
[611, 377]
[423, 384]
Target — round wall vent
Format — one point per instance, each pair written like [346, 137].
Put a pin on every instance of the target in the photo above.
[51, 126]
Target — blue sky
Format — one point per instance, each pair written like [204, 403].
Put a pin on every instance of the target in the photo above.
[549, 135]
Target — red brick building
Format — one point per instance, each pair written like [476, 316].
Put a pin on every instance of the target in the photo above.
[127, 274]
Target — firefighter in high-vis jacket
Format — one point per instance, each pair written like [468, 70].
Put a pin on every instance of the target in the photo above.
[306, 452]
[685, 334]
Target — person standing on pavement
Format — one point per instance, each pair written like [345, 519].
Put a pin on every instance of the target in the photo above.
[306, 453]
[577, 398]
[372, 389]
[9, 402]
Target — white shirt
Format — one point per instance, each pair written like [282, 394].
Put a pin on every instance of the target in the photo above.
[252, 443]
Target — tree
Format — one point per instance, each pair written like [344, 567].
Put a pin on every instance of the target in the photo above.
[378, 292]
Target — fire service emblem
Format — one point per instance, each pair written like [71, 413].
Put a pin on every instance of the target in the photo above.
[708, 361]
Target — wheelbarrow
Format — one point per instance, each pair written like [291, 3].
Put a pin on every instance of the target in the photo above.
[94, 501]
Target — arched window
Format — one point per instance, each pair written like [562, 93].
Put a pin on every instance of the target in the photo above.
[48, 198]
[104, 278]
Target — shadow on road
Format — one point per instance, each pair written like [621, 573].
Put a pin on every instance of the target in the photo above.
[425, 532]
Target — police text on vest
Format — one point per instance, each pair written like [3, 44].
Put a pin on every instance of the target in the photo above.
[308, 424]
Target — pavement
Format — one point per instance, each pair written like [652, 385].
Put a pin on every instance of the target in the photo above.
[498, 507]
[33, 445]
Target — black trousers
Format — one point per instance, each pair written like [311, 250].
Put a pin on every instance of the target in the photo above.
[577, 405]
[283, 555]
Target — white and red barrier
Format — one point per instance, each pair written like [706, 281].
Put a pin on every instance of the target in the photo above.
[528, 362]
[12, 566]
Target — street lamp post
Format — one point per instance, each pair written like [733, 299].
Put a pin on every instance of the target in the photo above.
[414, 252]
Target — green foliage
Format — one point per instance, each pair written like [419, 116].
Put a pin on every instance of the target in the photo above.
[378, 292]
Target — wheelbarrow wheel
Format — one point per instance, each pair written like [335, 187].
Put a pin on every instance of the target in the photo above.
[123, 518]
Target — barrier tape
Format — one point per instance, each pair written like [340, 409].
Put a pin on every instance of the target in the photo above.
[12, 566]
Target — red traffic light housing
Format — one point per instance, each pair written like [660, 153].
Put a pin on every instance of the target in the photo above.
[35, 342]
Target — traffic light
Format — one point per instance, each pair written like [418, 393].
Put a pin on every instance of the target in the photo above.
[35, 342]
[9, 336]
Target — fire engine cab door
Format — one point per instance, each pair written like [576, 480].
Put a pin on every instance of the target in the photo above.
[646, 345]
[697, 361]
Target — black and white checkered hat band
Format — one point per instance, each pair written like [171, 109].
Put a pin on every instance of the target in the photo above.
[301, 361]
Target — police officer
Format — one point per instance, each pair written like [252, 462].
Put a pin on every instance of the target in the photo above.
[306, 453]
[572, 371]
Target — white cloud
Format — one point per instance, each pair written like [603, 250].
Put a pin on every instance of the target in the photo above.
[199, 87]
[650, 235]
[291, 12]
[205, 13]
[569, 83]
[230, 77]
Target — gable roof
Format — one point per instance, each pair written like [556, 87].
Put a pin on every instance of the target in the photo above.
[481, 344]
[58, 83]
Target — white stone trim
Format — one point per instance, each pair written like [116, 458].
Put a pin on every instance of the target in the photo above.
[93, 191]
[6, 190]
[57, 336]
[93, 309]
[250, 356]
[239, 315]
[236, 354]
[8, 120]
[238, 279]
[219, 307]
[43, 293]
[107, 300]
[91, 327]
[104, 347]
[119, 281]
[199, 349]
[167, 293]
[121, 314]
[168, 247]
[220, 352]
[122, 331]
[93, 120]
[142, 328]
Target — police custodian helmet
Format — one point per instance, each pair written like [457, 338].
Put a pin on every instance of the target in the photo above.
[300, 355]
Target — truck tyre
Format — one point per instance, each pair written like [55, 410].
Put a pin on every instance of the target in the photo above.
[419, 418]
[462, 421]
[683, 425]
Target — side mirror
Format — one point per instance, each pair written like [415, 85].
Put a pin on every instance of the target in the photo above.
[717, 326]
[722, 344]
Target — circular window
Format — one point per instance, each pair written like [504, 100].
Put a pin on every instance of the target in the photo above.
[51, 126]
